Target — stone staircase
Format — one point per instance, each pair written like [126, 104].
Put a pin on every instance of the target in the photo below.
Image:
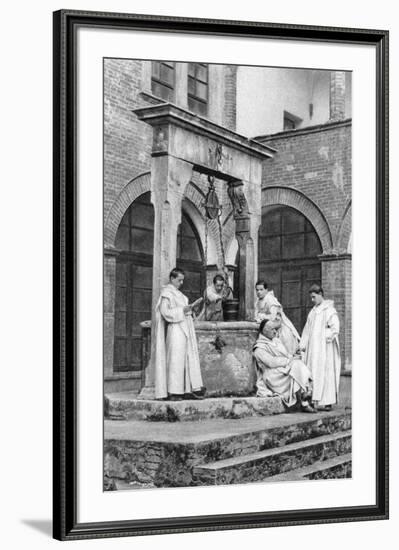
[263, 464]
[216, 451]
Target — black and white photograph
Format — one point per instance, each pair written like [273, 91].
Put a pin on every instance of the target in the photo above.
[227, 282]
[197, 248]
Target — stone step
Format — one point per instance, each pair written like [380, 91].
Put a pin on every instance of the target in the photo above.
[338, 467]
[165, 453]
[263, 464]
[334, 468]
[126, 405]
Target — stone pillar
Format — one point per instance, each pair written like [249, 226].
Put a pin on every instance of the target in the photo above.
[110, 255]
[247, 216]
[337, 95]
[244, 246]
[169, 178]
[336, 283]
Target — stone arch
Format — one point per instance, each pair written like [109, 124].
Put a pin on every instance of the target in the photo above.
[290, 197]
[136, 187]
[345, 230]
[142, 184]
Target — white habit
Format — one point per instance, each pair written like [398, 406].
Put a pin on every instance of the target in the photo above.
[278, 371]
[322, 354]
[175, 351]
[269, 307]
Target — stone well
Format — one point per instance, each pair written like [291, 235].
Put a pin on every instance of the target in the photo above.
[225, 350]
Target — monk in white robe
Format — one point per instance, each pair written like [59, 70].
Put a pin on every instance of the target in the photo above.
[320, 347]
[214, 296]
[268, 307]
[175, 351]
[279, 372]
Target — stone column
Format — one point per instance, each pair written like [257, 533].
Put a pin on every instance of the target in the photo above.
[169, 178]
[110, 255]
[337, 95]
[244, 245]
[247, 216]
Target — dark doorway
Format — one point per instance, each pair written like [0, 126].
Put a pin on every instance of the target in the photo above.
[133, 282]
[288, 259]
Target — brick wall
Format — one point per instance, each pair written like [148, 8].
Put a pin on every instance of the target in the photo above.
[127, 141]
[337, 95]
[316, 162]
[230, 97]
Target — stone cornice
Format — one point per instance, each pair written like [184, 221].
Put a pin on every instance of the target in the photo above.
[167, 113]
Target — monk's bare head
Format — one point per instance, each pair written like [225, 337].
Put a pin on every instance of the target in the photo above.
[176, 277]
[316, 294]
[261, 289]
[269, 328]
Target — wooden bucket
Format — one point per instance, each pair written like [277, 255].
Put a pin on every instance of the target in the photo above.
[230, 310]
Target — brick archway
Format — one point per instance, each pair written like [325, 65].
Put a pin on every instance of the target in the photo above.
[289, 197]
[142, 184]
[136, 187]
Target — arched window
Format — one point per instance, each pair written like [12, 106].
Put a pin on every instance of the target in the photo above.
[288, 259]
[133, 284]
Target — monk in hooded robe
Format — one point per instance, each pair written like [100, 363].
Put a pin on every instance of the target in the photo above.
[174, 352]
[320, 346]
[279, 372]
[268, 307]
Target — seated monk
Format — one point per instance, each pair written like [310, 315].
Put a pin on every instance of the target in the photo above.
[280, 373]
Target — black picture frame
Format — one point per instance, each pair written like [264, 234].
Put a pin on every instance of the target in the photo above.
[66, 527]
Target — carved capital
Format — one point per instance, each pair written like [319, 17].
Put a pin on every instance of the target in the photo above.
[237, 198]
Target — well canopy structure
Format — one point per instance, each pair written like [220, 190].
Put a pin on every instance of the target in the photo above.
[184, 143]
